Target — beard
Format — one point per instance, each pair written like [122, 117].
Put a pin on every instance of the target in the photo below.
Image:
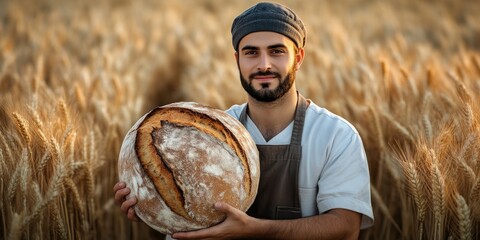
[269, 95]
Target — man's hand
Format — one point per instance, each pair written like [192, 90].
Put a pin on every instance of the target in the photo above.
[334, 224]
[236, 224]
[126, 206]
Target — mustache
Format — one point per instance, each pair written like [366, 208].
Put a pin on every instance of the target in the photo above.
[266, 73]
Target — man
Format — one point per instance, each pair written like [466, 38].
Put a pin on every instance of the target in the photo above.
[314, 180]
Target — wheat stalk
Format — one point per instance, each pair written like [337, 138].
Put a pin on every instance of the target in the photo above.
[466, 170]
[70, 151]
[3, 171]
[461, 218]
[4, 215]
[466, 98]
[25, 177]
[383, 207]
[47, 156]
[66, 134]
[2, 167]
[474, 199]
[54, 189]
[468, 145]
[36, 118]
[399, 127]
[11, 189]
[427, 125]
[59, 226]
[77, 200]
[415, 189]
[6, 147]
[438, 195]
[44, 144]
[15, 229]
[56, 153]
[410, 80]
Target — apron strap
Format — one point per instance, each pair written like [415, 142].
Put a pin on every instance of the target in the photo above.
[296, 138]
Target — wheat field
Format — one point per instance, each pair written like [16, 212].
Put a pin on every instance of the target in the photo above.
[75, 75]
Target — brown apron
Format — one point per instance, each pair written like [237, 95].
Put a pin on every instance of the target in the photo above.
[277, 196]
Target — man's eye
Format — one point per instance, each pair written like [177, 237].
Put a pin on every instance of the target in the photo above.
[278, 51]
[250, 52]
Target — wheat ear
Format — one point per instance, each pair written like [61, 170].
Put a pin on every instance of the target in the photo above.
[25, 176]
[438, 194]
[57, 219]
[24, 130]
[36, 117]
[6, 146]
[462, 217]
[474, 198]
[80, 97]
[427, 125]
[414, 187]
[23, 126]
[62, 108]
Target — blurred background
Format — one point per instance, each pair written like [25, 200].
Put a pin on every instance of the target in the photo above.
[76, 75]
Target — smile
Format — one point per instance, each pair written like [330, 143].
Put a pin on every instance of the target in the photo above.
[265, 78]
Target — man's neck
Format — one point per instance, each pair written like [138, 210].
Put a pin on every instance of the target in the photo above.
[272, 117]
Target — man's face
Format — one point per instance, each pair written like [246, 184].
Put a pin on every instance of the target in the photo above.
[267, 62]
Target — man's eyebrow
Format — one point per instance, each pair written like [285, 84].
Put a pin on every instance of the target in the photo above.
[280, 45]
[248, 47]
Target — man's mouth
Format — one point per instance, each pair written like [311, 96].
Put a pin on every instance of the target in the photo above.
[265, 78]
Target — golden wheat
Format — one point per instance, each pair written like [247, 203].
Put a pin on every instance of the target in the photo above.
[439, 202]
[74, 76]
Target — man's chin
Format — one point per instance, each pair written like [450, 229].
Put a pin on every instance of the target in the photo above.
[265, 96]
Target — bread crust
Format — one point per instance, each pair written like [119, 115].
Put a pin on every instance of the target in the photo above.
[181, 158]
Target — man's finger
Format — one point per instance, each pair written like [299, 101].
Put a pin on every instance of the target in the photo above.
[127, 204]
[199, 234]
[132, 215]
[120, 195]
[224, 207]
[118, 186]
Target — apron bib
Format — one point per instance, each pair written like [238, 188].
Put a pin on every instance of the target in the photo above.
[277, 196]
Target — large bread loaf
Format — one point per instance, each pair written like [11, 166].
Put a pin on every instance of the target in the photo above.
[180, 159]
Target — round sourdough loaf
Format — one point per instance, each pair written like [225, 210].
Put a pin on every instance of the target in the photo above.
[181, 158]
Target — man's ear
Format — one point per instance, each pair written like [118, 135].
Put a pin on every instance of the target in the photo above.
[236, 56]
[299, 58]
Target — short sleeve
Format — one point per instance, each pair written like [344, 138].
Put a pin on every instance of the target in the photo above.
[345, 181]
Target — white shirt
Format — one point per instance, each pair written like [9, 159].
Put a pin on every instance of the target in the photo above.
[333, 170]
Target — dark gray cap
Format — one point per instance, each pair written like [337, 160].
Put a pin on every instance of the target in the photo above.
[271, 17]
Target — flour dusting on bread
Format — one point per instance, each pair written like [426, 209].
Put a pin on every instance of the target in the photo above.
[179, 159]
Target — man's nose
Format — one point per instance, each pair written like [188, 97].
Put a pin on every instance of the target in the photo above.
[264, 63]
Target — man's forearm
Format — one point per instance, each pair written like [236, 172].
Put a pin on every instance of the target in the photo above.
[336, 224]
